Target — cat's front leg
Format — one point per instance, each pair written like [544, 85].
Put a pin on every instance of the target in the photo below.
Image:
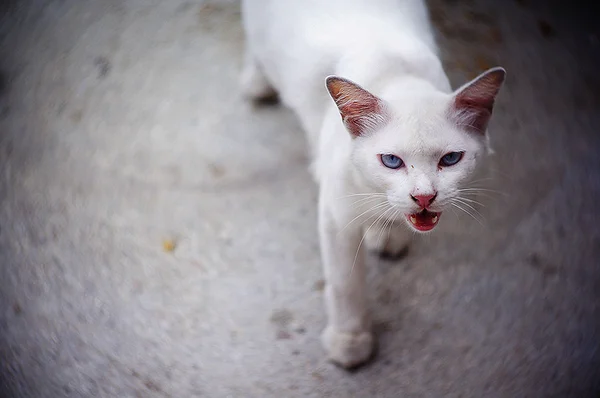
[347, 337]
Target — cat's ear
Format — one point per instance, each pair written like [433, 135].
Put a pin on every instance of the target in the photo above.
[474, 102]
[361, 111]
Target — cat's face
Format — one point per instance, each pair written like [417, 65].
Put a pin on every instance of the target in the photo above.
[420, 152]
[419, 162]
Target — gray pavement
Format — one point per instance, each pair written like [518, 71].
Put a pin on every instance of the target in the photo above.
[157, 233]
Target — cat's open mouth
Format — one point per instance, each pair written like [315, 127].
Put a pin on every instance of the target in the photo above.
[423, 221]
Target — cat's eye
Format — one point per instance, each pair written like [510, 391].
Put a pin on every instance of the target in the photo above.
[391, 161]
[451, 158]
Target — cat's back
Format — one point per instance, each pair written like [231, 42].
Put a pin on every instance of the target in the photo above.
[298, 43]
[316, 31]
[341, 22]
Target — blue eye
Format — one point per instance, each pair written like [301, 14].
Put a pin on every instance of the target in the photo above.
[391, 161]
[450, 159]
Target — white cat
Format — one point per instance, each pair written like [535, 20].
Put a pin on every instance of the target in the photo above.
[398, 156]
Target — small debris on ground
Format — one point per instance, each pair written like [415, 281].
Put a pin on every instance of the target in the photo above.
[169, 245]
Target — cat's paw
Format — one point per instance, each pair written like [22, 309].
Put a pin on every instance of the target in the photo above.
[391, 245]
[347, 349]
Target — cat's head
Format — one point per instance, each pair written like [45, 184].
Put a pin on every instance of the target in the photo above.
[418, 148]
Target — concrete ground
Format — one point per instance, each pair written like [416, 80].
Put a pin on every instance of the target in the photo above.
[157, 233]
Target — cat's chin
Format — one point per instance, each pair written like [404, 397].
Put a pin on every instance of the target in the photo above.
[424, 220]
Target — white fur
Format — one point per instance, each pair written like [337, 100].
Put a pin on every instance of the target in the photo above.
[387, 47]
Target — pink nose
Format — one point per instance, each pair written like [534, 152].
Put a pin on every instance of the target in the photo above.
[423, 200]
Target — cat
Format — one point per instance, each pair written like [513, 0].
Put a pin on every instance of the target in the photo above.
[392, 144]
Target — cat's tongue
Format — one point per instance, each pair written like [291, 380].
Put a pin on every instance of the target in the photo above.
[424, 220]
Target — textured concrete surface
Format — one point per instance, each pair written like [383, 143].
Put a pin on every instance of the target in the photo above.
[157, 234]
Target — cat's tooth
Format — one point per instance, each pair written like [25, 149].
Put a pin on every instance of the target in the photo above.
[434, 219]
[413, 219]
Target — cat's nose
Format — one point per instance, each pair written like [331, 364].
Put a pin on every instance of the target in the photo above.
[424, 200]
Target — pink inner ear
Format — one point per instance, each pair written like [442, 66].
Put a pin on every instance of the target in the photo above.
[480, 95]
[358, 116]
[360, 110]
[475, 102]
[472, 115]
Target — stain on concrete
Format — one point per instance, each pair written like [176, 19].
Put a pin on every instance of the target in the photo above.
[76, 116]
[148, 383]
[536, 262]
[385, 296]
[61, 108]
[300, 330]
[281, 318]
[152, 386]
[319, 285]
[104, 67]
[383, 327]
[216, 170]
[283, 335]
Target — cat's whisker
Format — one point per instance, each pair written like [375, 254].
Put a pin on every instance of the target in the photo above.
[481, 180]
[364, 201]
[392, 219]
[495, 170]
[470, 201]
[365, 234]
[383, 234]
[454, 211]
[375, 194]
[476, 195]
[362, 194]
[374, 215]
[479, 189]
[364, 198]
[460, 200]
[374, 208]
[466, 211]
[483, 192]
